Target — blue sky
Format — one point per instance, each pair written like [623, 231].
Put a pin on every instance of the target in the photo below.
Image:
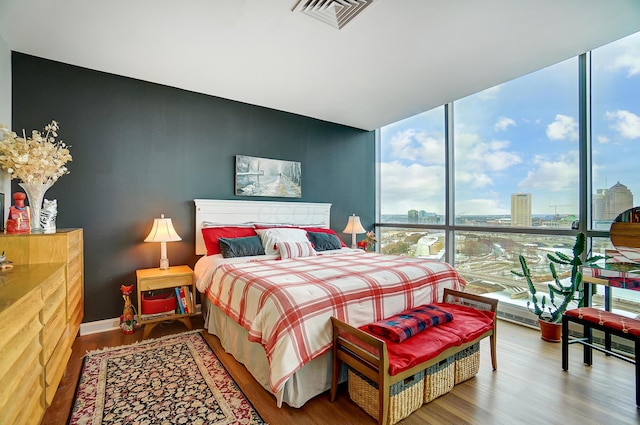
[521, 136]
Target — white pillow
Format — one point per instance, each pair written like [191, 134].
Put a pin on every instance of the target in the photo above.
[295, 249]
[271, 237]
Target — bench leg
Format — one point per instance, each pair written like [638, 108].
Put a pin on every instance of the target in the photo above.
[637, 345]
[335, 374]
[494, 355]
[565, 343]
[383, 400]
[587, 350]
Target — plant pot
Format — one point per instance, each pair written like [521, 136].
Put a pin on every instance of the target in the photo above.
[551, 332]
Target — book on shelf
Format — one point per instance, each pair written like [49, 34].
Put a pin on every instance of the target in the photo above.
[183, 300]
[189, 299]
[179, 299]
[192, 301]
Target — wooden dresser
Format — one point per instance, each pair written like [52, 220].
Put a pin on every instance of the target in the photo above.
[41, 308]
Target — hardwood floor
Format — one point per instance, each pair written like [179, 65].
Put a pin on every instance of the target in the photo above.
[529, 387]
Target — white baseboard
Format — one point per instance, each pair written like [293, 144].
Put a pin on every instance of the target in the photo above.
[99, 326]
[107, 325]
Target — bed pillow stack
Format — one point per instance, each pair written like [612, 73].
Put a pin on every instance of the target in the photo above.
[246, 240]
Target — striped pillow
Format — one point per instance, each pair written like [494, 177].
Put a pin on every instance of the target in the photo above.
[295, 249]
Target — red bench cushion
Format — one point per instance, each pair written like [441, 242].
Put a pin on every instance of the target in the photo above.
[606, 318]
[467, 325]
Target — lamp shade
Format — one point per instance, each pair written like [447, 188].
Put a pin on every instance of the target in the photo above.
[162, 231]
[354, 227]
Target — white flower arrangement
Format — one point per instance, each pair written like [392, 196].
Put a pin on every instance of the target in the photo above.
[36, 159]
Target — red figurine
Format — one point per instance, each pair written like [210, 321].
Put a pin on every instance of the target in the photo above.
[127, 320]
[19, 220]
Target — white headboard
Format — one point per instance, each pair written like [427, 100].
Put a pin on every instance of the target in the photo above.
[268, 212]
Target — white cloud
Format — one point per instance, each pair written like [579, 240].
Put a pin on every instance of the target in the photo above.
[553, 175]
[563, 128]
[628, 61]
[475, 155]
[405, 187]
[624, 122]
[480, 207]
[417, 146]
[603, 139]
[503, 124]
[474, 179]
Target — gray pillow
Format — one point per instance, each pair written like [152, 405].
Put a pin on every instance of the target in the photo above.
[241, 247]
[324, 241]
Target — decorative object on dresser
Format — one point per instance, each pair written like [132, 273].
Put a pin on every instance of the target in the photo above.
[354, 227]
[37, 161]
[19, 220]
[48, 215]
[41, 308]
[163, 232]
[154, 308]
[267, 177]
[190, 385]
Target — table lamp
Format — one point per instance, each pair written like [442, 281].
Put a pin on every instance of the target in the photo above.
[163, 232]
[354, 227]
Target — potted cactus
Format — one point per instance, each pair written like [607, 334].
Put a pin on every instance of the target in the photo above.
[549, 311]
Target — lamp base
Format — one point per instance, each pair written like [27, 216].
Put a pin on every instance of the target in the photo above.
[164, 264]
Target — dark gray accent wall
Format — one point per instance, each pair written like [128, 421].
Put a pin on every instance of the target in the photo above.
[141, 149]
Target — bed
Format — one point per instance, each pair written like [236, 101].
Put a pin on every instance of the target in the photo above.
[271, 310]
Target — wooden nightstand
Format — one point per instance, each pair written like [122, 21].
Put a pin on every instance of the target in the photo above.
[154, 279]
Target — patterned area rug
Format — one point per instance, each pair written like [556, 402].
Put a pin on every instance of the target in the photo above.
[171, 380]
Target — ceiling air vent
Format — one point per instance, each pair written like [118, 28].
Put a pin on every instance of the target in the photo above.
[336, 13]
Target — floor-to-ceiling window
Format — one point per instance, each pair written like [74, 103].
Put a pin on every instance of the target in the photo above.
[615, 141]
[523, 160]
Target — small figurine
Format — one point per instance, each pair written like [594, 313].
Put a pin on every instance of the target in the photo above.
[48, 215]
[127, 320]
[19, 220]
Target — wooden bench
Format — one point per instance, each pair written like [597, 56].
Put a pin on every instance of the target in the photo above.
[607, 322]
[369, 355]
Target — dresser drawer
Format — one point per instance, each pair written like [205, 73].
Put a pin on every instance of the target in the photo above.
[53, 330]
[55, 368]
[23, 382]
[19, 332]
[54, 295]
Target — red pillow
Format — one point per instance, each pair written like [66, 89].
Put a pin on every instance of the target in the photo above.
[212, 234]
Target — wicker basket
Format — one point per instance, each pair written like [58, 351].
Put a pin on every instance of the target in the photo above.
[404, 397]
[439, 379]
[467, 363]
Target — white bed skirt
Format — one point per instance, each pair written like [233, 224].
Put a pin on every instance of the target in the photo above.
[313, 379]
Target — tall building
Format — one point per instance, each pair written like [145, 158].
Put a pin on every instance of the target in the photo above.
[608, 203]
[521, 209]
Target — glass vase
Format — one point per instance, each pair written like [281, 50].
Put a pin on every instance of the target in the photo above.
[35, 193]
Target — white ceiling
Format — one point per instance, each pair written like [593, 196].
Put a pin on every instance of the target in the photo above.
[396, 59]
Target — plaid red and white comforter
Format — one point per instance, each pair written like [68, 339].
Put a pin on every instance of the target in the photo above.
[285, 305]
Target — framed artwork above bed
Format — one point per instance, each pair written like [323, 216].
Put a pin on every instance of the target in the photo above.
[267, 177]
